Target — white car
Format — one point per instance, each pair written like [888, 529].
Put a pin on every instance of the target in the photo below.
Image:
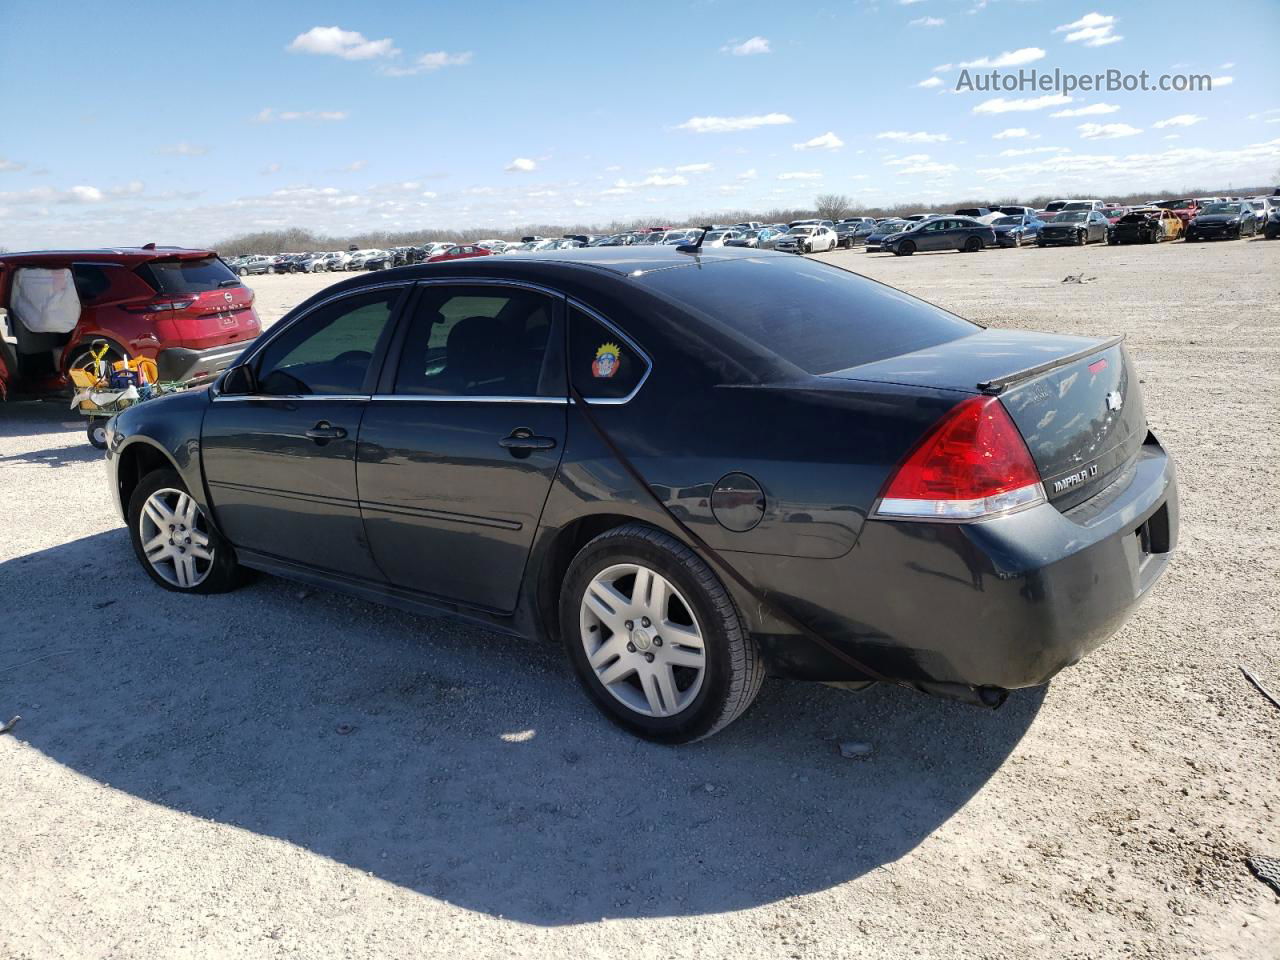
[807, 239]
[360, 257]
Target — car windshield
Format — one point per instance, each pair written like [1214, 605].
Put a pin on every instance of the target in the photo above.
[1136, 217]
[1012, 211]
[801, 231]
[814, 316]
[895, 227]
[1079, 205]
[1071, 216]
[1008, 222]
[187, 276]
[1221, 208]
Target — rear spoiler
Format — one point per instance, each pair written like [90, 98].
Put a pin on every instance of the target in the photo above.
[998, 385]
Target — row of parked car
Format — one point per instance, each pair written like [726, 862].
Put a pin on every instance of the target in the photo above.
[1075, 223]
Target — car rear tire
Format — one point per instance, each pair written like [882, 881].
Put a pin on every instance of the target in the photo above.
[174, 541]
[905, 249]
[655, 638]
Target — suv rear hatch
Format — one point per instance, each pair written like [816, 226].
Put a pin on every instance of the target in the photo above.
[199, 302]
[1075, 400]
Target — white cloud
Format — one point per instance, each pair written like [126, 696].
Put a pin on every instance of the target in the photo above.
[271, 168]
[1227, 66]
[1180, 120]
[926, 22]
[930, 83]
[269, 114]
[355, 166]
[10, 166]
[828, 141]
[185, 149]
[920, 164]
[903, 136]
[521, 165]
[431, 62]
[1106, 131]
[1222, 81]
[1013, 133]
[907, 3]
[1021, 105]
[1010, 58]
[1092, 110]
[748, 48]
[654, 180]
[86, 194]
[1093, 30]
[336, 42]
[749, 174]
[539, 194]
[1027, 151]
[734, 124]
[800, 175]
[428, 194]
[615, 191]
[694, 168]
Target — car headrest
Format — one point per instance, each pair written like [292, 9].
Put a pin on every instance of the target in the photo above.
[477, 352]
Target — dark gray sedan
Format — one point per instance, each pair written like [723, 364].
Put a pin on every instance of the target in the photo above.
[941, 233]
[1075, 227]
[690, 468]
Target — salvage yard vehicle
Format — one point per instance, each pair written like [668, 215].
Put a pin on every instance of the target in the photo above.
[183, 309]
[957, 510]
[460, 252]
[1014, 231]
[1222, 221]
[254, 265]
[882, 232]
[1145, 225]
[941, 233]
[807, 238]
[1078, 227]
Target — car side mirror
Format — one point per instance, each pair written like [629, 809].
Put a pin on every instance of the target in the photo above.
[239, 381]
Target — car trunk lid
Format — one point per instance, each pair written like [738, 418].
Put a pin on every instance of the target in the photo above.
[1076, 400]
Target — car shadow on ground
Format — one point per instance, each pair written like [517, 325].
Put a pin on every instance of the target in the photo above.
[21, 418]
[459, 763]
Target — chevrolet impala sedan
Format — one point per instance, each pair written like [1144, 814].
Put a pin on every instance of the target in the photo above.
[692, 468]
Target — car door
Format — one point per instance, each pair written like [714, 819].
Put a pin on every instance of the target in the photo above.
[931, 236]
[460, 445]
[279, 453]
[1097, 227]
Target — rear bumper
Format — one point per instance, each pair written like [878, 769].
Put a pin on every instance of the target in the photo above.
[197, 366]
[1004, 603]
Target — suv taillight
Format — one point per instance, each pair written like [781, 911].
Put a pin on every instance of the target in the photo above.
[156, 306]
[972, 464]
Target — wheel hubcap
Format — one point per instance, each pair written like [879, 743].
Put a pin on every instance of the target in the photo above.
[642, 640]
[175, 538]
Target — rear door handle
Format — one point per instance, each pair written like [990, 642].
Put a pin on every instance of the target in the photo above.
[324, 430]
[524, 439]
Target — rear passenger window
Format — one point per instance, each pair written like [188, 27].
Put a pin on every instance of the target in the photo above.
[91, 280]
[479, 341]
[602, 364]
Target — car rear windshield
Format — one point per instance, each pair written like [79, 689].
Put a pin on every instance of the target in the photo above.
[1078, 205]
[187, 276]
[814, 316]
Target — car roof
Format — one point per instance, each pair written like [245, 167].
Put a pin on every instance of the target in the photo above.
[127, 256]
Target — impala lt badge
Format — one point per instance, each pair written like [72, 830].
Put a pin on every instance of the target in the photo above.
[1080, 476]
[1114, 401]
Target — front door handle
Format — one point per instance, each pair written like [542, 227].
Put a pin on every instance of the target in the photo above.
[324, 431]
[522, 440]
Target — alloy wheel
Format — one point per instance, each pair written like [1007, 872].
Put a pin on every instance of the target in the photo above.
[175, 538]
[642, 639]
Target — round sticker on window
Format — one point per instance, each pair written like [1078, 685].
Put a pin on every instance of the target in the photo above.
[605, 364]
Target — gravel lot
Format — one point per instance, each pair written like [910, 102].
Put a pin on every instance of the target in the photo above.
[178, 785]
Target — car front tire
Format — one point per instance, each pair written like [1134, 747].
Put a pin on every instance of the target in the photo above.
[905, 249]
[655, 638]
[174, 541]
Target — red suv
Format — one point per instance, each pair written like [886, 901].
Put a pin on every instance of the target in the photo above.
[185, 309]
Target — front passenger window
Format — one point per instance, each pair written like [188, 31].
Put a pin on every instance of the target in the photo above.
[328, 352]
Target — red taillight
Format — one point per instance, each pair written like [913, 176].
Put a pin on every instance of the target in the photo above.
[972, 464]
[159, 306]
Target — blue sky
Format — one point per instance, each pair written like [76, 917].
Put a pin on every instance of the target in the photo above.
[191, 122]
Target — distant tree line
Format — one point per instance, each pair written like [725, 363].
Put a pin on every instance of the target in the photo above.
[828, 206]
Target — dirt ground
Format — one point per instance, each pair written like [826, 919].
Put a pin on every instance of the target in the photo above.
[181, 782]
